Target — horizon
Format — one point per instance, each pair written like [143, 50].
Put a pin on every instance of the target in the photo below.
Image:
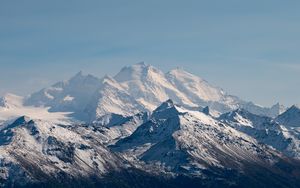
[249, 49]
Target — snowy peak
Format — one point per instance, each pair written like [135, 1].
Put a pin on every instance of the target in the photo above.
[111, 98]
[190, 142]
[206, 110]
[291, 117]
[239, 111]
[273, 111]
[197, 89]
[166, 110]
[108, 81]
[278, 108]
[164, 106]
[79, 75]
[68, 96]
[264, 130]
[87, 79]
[138, 71]
[293, 109]
[149, 86]
[22, 120]
[242, 117]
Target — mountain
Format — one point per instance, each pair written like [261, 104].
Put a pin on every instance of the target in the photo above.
[174, 147]
[185, 142]
[36, 153]
[67, 96]
[149, 86]
[201, 92]
[265, 130]
[138, 88]
[291, 117]
[111, 98]
[274, 111]
[113, 127]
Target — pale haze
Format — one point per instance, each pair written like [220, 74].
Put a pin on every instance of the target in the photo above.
[250, 49]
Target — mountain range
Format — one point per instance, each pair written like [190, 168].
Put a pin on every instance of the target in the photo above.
[136, 88]
[145, 128]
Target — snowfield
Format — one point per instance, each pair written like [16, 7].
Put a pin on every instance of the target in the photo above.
[12, 107]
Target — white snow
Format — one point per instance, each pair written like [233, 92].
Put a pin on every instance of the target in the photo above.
[68, 98]
[14, 108]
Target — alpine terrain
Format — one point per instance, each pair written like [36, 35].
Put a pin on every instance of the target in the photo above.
[145, 128]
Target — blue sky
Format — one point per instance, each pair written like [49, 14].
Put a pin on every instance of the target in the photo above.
[249, 48]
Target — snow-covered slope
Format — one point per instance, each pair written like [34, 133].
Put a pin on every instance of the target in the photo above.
[147, 152]
[113, 127]
[12, 107]
[38, 151]
[149, 86]
[193, 86]
[67, 96]
[111, 98]
[200, 92]
[265, 130]
[183, 141]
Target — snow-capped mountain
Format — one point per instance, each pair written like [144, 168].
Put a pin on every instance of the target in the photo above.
[174, 147]
[67, 96]
[111, 98]
[145, 128]
[273, 111]
[38, 152]
[149, 86]
[113, 127]
[265, 130]
[138, 88]
[188, 142]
